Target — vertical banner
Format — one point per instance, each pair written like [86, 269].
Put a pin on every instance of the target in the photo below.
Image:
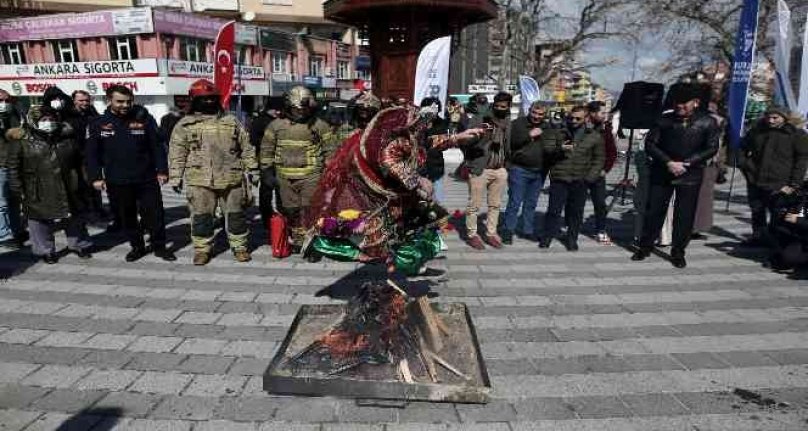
[432, 71]
[742, 70]
[529, 91]
[224, 68]
[803, 105]
[782, 57]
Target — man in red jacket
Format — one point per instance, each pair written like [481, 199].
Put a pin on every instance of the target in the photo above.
[598, 117]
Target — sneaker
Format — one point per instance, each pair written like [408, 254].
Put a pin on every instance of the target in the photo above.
[476, 242]
[135, 254]
[494, 241]
[201, 257]
[603, 238]
[242, 255]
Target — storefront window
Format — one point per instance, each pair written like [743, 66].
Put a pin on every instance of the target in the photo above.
[363, 74]
[244, 57]
[12, 53]
[192, 49]
[65, 51]
[123, 48]
[278, 62]
[343, 70]
[316, 66]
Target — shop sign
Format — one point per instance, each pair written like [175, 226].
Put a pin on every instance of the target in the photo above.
[277, 41]
[202, 5]
[76, 25]
[312, 81]
[193, 69]
[186, 24]
[80, 70]
[329, 83]
[362, 62]
[483, 88]
[246, 34]
[95, 86]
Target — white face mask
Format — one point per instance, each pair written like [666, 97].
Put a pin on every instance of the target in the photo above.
[56, 104]
[5, 107]
[47, 126]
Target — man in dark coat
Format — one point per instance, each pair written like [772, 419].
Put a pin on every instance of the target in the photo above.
[678, 146]
[11, 232]
[45, 170]
[126, 157]
[774, 157]
[598, 118]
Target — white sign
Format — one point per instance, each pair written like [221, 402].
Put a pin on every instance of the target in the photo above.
[193, 69]
[432, 71]
[185, 5]
[132, 20]
[247, 88]
[202, 5]
[483, 88]
[94, 86]
[246, 34]
[96, 69]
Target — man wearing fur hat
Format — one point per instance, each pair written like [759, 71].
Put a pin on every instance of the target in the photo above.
[678, 146]
[773, 158]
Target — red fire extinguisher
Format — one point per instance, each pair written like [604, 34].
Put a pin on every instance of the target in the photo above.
[279, 236]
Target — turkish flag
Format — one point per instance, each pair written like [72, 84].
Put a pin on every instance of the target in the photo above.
[224, 67]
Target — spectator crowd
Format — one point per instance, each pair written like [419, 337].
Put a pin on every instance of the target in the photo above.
[59, 158]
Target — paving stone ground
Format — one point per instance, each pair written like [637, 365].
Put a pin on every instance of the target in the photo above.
[572, 341]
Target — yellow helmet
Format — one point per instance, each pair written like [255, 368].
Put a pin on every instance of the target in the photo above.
[299, 97]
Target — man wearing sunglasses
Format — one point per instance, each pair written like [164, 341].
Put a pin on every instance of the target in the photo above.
[581, 153]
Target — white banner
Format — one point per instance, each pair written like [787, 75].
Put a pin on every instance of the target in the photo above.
[782, 56]
[80, 70]
[432, 72]
[529, 90]
[803, 105]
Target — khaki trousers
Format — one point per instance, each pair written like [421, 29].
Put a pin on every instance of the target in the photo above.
[492, 182]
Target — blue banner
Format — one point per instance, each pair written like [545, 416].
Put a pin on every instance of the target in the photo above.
[742, 66]
[529, 90]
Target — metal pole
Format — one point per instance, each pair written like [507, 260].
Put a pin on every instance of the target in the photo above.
[624, 184]
[732, 179]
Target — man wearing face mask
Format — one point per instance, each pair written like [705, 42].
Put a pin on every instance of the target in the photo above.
[485, 158]
[210, 152]
[678, 146]
[126, 157]
[11, 232]
[581, 161]
[45, 169]
[292, 152]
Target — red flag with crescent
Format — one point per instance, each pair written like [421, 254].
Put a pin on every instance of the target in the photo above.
[224, 67]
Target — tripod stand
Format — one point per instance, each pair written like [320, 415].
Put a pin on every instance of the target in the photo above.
[626, 183]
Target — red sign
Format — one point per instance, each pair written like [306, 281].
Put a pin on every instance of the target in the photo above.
[223, 66]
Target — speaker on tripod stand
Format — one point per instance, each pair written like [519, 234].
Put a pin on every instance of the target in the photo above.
[640, 106]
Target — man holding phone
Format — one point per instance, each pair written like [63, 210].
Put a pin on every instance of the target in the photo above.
[679, 146]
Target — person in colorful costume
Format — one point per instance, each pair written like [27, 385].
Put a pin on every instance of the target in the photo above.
[371, 204]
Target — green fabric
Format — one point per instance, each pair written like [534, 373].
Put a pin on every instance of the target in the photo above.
[339, 249]
[412, 255]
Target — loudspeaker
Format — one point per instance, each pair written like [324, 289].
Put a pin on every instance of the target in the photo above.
[640, 104]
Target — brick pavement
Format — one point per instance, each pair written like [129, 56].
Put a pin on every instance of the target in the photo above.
[585, 341]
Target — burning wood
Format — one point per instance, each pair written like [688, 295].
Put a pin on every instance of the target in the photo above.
[381, 325]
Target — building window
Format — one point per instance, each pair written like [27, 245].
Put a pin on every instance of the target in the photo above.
[12, 53]
[192, 49]
[243, 55]
[363, 74]
[316, 66]
[278, 62]
[343, 70]
[123, 48]
[65, 51]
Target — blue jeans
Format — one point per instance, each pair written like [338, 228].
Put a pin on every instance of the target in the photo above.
[440, 194]
[9, 210]
[524, 187]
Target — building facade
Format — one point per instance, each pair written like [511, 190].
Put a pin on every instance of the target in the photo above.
[159, 52]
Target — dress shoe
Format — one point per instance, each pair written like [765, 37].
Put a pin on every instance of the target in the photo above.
[84, 253]
[165, 254]
[507, 238]
[698, 236]
[114, 227]
[572, 245]
[242, 255]
[135, 254]
[476, 242]
[494, 241]
[50, 258]
[201, 258]
[678, 262]
[545, 243]
[640, 255]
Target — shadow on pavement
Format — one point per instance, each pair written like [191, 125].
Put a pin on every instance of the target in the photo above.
[97, 419]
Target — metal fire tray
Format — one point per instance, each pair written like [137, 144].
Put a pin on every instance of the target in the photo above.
[461, 350]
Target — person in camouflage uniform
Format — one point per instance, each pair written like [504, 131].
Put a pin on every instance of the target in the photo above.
[292, 152]
[210, 152]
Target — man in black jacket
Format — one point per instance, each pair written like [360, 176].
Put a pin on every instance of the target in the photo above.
[126, 157]
[678, 146]
[525, 172]
[774, 157]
